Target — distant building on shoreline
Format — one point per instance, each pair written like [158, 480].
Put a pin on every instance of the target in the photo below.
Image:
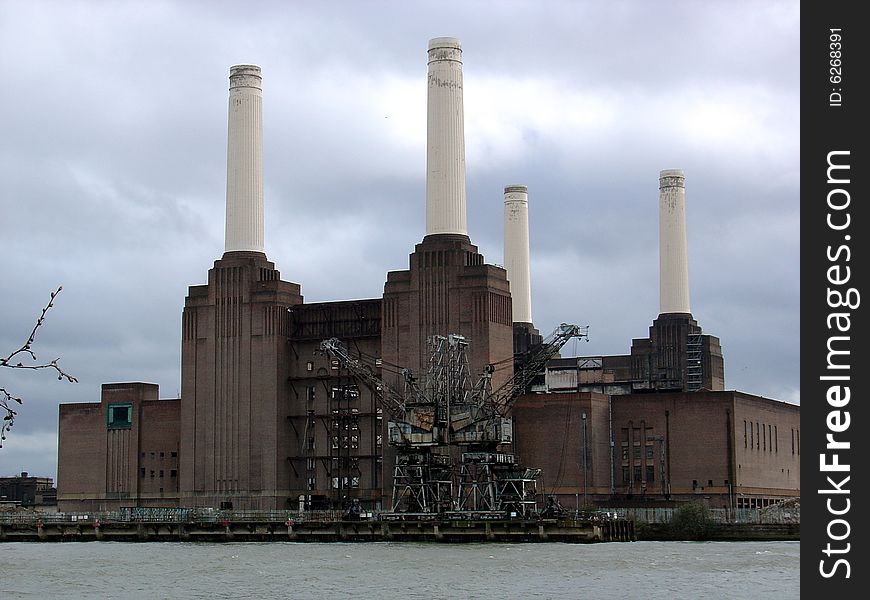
[24, 490]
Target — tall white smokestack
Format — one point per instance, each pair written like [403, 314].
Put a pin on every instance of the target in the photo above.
[516, 251]
[445, 151]
[245, 161]
[673, 248]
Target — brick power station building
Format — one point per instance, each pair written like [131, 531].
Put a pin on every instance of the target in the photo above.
[265, 421]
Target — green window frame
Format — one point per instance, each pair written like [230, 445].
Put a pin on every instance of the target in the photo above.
[119, 415]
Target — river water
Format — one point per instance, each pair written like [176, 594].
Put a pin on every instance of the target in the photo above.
[649, 570]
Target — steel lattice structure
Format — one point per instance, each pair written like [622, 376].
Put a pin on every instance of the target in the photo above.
[450, 434]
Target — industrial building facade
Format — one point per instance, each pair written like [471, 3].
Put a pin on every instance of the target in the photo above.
[727, 448]
[268, 421]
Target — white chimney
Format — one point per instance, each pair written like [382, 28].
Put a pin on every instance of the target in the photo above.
[516, 251]
[673, 253]
[245, 161]
[445, 151]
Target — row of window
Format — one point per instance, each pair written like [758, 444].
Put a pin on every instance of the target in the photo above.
[756, 502]
[353, 424]
[648, 451]
[338, 483]
[638, 472]
[172, 472]
[696, 485]
[765, 437]
[347, 442]
[650, 473]
[338, 462]
[160, 455]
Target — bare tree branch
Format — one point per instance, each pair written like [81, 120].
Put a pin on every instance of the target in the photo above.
[13, 361]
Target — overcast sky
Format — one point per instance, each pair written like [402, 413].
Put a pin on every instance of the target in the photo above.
[113, 160]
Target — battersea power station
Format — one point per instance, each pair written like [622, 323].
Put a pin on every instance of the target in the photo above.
[291, 405]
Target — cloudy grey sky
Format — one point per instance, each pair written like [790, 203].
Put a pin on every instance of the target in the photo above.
[113, 159]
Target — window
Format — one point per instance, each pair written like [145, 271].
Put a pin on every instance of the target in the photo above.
[173, 455]
[354, 482]
[173, 473]
[744, 433]
[649, 451]
[309, 367]
[161, 472]
[379, 440]
[650, 473]
[354, 441]
[142, 472]
[776, 439]
[152, 473]
[637, 453]
[637, 473]
[312, 483]
[119, 416]
[310, 464]
[625, 477]
[335, 442]
[764, 437]
[710, 482]
[751, 437]
[770, 437]
[311, 443]
[624, 451]
[799, 442]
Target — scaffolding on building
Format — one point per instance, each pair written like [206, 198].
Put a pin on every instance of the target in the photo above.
[694, 365]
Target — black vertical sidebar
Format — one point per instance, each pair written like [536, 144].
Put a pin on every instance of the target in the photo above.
[835, 224]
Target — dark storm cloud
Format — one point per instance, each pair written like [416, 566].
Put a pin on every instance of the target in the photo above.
[113, 158]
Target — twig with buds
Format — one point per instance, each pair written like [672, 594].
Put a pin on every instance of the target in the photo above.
[13, 362]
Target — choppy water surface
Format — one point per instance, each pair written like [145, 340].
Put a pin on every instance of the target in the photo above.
[400, 570]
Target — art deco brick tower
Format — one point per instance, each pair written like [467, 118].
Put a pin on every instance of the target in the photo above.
[448, 288]
[677, 355]
[234, 352]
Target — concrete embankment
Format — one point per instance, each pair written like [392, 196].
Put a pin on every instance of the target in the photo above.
[323, 531]
[735, 532]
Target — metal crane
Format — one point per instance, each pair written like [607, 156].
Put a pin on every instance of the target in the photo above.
[441, 411]
[491, 426]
